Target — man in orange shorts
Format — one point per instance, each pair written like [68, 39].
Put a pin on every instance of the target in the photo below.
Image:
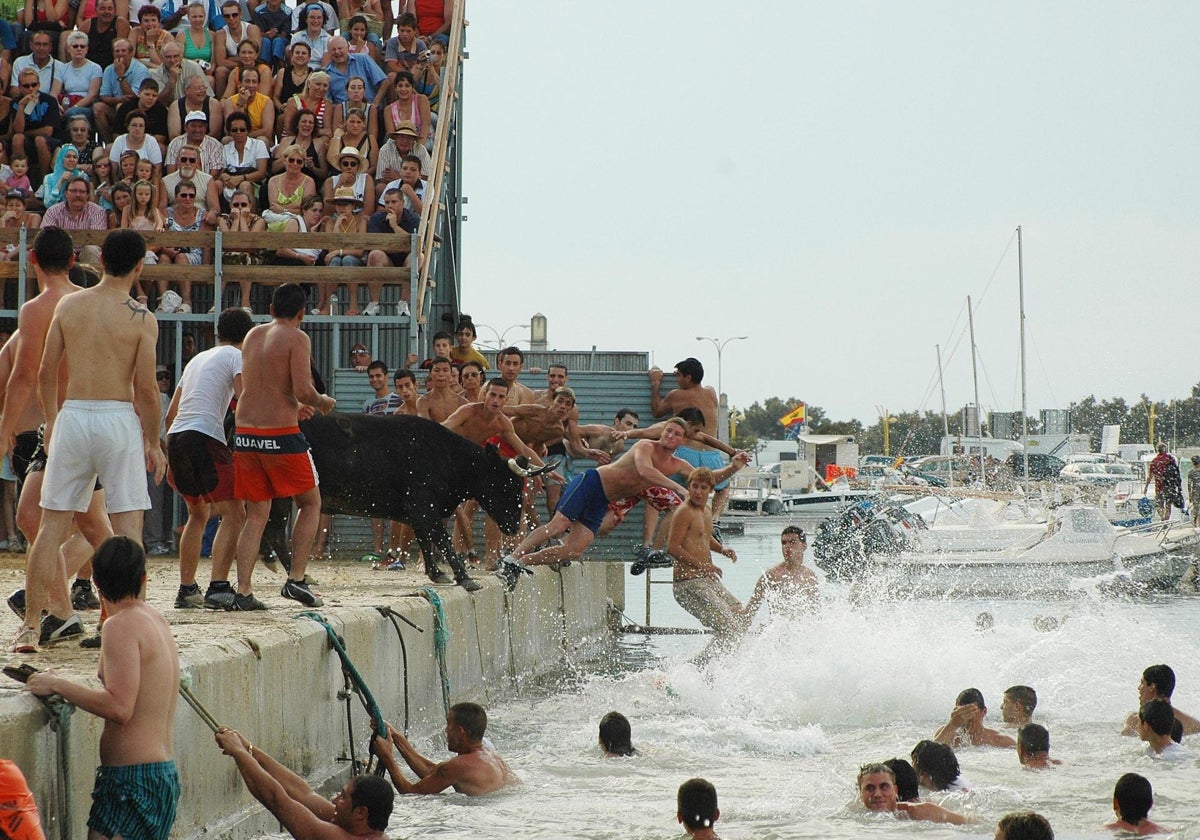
[270, 456]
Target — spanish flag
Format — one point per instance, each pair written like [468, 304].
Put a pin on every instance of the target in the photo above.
[796, 415]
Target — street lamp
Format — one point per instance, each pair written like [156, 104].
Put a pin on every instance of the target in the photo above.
[501, 337]
[720, 345]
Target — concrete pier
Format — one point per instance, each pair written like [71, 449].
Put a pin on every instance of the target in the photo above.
[275, 677]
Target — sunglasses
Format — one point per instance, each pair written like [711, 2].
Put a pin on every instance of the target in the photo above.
[238, 206]
[231, 15]
[296, 160]
[350, 162]
[182, 159]
[186, 195]
[238, 129]
[29, 85]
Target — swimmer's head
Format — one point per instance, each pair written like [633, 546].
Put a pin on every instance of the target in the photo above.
[1018, 703]
[1024, 826]
[908, 789]
[697, 804]
[1132, 798]
[1157, 716]
[374, 794]
[877, 787]
[616, 735]
[935, 764]
[972, 697]
[1158, 683]
[471, 718]
[1032, 739]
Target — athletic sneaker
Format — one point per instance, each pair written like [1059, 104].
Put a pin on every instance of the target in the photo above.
[402, 308]
[220, 596]
[16, 603]
[170, 302]
[298, 590]
[83, 597]
[184, 309]
[91, 642]
[372, 308]
[160, 550]
[55, 630]
[25, 641]
[189, 597]
[247, 603]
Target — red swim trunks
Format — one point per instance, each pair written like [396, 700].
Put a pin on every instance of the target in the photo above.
[271, 464]
[660, 498]
[506, 451]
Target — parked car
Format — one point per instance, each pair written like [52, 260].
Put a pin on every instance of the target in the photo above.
[1040, 465]
[1096, 475]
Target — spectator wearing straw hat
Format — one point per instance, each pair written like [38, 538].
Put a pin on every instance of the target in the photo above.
[352, 173]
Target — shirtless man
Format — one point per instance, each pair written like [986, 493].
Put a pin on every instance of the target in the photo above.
[484, 422]
[1158, 683]
[965, 726]
[99, 433]
[509, 362]
[271, 457]
[1033, 747]
[361, 809]
[691, 394]
[1133, 797]
[586, 499]
[877, 791]
[1023, 825]
[441, 401]
[556, 377]
[1016, 709]
[52, 256]
[791, 580]
[696, 809]
[137, 787]
[474, 771]
[405, 382]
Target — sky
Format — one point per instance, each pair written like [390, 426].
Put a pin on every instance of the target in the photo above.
[832, 180]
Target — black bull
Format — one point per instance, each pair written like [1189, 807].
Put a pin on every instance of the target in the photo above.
[411, 470]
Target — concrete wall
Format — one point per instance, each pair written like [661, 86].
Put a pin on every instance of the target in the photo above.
[278, 683]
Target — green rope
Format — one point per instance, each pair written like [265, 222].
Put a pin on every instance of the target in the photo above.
[441, 637]
[360, 685]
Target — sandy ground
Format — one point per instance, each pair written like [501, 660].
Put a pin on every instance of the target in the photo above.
[340, 582]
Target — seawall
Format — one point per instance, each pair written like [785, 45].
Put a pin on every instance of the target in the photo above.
[276, 678]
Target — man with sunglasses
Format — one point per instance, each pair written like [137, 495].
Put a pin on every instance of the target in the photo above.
[36, 118]
[788, 585]
[207, 195]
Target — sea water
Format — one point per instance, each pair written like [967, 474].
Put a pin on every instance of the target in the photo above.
[782, 724]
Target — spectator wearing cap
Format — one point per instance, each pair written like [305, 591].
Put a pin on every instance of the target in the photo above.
[121, 82]
[343, 65]
[175, 72]
[15, 215]
[790, 584]
[352, 174]
[197, 96]
[401, 144]
[313, 30]
[195, 128]
[360, 357]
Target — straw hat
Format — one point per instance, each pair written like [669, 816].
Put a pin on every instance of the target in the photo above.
[351, 151]
[406, 129]
[345, 194]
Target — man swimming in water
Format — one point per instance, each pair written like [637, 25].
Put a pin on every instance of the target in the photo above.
[1024, 825]
[1158, 683]
[1033, 747]
[791, 581]
[361, 809]
[965, 726]
[1016, 709]
[1155, 724]
[696, 809]
[475, 770]
[877, 791]
[1132, 799]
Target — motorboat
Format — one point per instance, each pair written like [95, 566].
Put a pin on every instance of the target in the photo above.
[788, 486]
[984, 546]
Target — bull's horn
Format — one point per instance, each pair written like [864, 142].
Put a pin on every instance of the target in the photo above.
[550, 466]
[519, 466]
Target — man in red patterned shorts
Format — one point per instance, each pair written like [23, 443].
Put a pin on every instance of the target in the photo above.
[271, 458]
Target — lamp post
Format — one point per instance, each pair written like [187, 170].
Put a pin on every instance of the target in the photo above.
[501, 336]
[720, 345]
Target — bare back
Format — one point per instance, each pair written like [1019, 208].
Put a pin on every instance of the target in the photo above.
[138, 645]
[478, 772]
[702, 397]
[275, 360]
[109, 341]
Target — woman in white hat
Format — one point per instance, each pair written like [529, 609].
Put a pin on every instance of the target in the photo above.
[346, 219]
[352, 173]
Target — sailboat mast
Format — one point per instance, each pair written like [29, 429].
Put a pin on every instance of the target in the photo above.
[1024, 408]
[975, 380]
[942, 387]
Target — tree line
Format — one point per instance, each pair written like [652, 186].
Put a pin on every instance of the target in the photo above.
[1176, 422]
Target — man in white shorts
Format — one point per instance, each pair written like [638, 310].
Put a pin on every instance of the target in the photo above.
[107, 428]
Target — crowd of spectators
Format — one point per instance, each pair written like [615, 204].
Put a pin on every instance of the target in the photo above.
[223, 115]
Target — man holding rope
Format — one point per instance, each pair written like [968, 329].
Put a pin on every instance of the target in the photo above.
[360, 809]
[137, 786]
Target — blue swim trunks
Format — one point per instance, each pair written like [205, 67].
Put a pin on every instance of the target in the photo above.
[135, 801]
[710, 458]
[584, 501]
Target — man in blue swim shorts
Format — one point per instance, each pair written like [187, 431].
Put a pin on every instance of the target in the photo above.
[137, 788]
[586, 499]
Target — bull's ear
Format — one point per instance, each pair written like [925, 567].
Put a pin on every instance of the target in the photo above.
[492, 449]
